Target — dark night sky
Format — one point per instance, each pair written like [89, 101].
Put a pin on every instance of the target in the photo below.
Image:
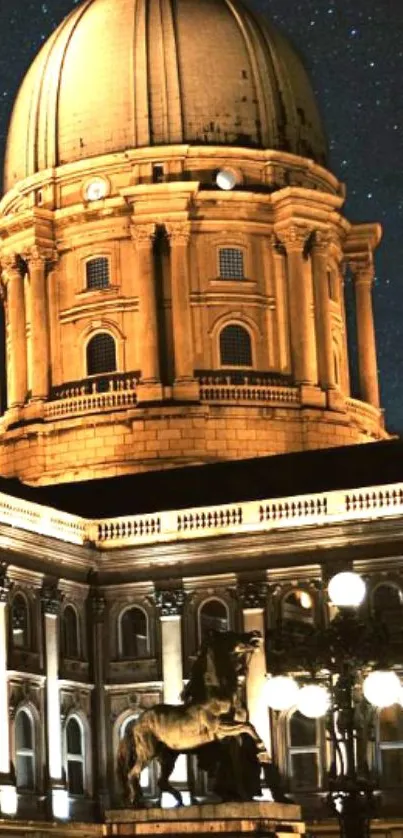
[354, 51]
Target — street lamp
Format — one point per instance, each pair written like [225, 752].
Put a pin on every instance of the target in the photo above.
[335, 659]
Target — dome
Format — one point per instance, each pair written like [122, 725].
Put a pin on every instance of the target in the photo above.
[123, 74]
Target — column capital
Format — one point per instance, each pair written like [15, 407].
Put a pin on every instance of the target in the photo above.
[322, 241]
[170, 602]
[10, 267]
[142, 234]
[252, 594]
[362, 270]
[98, 606]
[51, 598]
[38, 257]
[294, 237]
[178, 232]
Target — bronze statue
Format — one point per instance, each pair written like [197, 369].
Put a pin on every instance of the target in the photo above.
[211, 712]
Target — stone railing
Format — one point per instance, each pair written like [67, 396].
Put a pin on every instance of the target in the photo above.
[103, 392]
[364, 413]
[250, 516]
[229, 386]
[178, 525]
[43, 520]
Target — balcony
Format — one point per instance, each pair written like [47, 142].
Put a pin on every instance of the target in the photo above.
[247, 387]
[115, 391]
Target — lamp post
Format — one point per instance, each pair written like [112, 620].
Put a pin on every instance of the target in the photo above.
[330, 667]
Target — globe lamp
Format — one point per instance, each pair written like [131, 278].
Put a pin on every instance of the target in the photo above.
[281, 692]
[313, 701]
[382, 688]
[346, 589]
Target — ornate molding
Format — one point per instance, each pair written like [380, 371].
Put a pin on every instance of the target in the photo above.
[5, 584]
[294, 238]
[98, 606]
[51, 598]
[252, 594]
[170, 602]
[178, 232]
[143, 234]
[322, 241]
[362, 269]
[10, 267]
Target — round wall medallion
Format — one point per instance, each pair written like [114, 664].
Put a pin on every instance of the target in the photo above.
[96, 189]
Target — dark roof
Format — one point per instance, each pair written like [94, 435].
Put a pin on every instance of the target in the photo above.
[218, 483]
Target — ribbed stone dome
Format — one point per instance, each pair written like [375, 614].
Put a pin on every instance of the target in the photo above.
[120, 74]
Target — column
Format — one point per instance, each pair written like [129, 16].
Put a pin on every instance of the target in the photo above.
[99, 716]
[185, 386]
[170, 604]
[253, 598]
[51, 600]
[319, 256]
[148, 338]
[363, 276]
[17, 355]
[39, 355]
[302, 338]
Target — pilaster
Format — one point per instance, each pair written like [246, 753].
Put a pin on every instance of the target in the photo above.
[51, 598]
[5, 772]
[185, 386]
[294, 239]
[98, 613]
[39, 356]
[320, 256]
[17, 373]
[170, 604]
[149, 388]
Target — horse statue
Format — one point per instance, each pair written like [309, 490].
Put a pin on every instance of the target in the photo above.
[211, 713]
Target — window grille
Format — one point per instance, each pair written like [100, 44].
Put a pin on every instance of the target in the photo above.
[97, 273]
[24, 751]
[75, 757]
[134, 636]
[235, 347]
[101, 354]
[231, 263]
[70, 633]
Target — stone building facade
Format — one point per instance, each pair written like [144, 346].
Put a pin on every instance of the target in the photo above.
[173, 255]
[154, 316]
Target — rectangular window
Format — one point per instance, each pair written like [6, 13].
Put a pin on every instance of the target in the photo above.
[231, 263]
[97, 271]
[304, 769]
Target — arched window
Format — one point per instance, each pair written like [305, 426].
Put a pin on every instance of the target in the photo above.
[231, 263]
[390, 745]
[74, 756]
[297, 614]
[235, 346]
[387, 604]
[134, 633]
[97, 273]
[70, 633]
[24, 750]
[304, 764]
[19, 622]
[101, 354]
[213, 614]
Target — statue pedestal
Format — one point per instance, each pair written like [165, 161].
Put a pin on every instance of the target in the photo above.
[257, 818]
